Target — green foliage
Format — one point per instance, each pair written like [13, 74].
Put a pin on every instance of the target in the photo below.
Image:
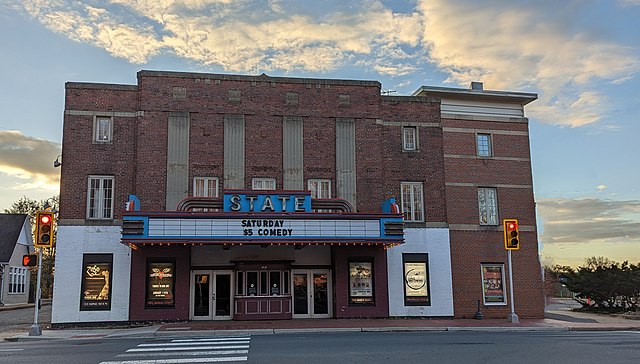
[603, 284]
[28, 206]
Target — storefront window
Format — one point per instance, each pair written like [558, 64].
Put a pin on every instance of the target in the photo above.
[96, 282]
[274, 283]
[285, 284]
[160, 283]
[416, 279]
[240, 283]
[493, 284]
[252, 283]
[361, 282]
[264, 285]
[263, 282]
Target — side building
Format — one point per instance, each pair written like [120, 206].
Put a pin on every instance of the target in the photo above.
[206, 196]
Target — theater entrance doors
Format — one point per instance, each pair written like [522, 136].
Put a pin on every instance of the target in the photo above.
[211, 295]
[312, 293]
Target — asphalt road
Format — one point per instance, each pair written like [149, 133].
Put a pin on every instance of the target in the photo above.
[427, 347]
[18, 321]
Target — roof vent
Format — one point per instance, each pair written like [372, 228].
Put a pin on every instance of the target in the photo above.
[476, 86]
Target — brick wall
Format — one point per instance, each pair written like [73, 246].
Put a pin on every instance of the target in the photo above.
[137, 157]
[471, 244]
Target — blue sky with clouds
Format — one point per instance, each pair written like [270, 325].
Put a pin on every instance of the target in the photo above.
[581, 57]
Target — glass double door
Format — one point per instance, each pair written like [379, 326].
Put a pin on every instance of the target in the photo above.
[211, 295]
[312, 293]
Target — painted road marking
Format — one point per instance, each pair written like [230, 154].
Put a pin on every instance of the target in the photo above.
[179, 351]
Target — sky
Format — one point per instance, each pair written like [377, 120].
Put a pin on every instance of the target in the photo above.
[581, 57]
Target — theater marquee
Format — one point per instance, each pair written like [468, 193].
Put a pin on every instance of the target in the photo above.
[263, 217]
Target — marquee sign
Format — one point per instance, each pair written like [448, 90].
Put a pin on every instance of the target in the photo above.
[280, 217]
[268, 202]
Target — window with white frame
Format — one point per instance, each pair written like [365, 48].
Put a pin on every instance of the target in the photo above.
[263, 183]
[102, 129]
[410, 138]
[412, 201]
[488, 206]
[320, 188]
[17, 280]
[100, 197]
[483, 142]
[205, 186]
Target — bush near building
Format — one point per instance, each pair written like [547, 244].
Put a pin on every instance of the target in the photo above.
[603, 285]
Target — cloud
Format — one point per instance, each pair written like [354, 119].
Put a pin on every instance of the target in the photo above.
[533, 45]
[540, 46]
[589, 220]
[239, 36]
[29, 159]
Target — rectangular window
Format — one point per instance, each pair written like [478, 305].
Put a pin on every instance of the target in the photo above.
[17, 280]
[100, 197]
[361, 282]
[488, 206]
[412, 201]
[264, 285]
[274, 283]
[97, 270]
[205, 186]
[416, 279]
[102, 129]
[286, 282]
[252, 284]
[160, 283]
[409, 138]
[263, 183]
[320, 188]
[240, 283]
[483, 142]
[493, 284]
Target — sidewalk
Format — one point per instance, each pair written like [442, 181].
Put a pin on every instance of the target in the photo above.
[559, 317]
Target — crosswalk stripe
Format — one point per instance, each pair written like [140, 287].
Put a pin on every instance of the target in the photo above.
[190, 348]
[197, 343]
[203, 350]
[179, 361]
[186, 353]
[211, 339]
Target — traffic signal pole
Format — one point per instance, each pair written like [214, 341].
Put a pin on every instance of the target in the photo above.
[35, 329]
[512, 317]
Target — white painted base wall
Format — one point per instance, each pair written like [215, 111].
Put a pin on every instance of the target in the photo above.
[74, 241]
[434, 242]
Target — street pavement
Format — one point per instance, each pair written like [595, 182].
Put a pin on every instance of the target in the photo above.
[558, 317]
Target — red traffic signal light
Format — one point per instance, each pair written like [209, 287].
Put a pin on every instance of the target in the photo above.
[29, 260]
[511, 236]
[44, 229]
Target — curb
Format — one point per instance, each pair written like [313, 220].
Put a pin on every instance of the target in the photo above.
[504, 329]
[256, 332]
[630, 328]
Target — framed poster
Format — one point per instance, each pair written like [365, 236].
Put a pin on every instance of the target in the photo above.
[160, 283]
[493, 292]
[95, 293]
[416, 279]
[361, 282]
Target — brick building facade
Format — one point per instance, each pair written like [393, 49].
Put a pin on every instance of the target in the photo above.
[455, 160]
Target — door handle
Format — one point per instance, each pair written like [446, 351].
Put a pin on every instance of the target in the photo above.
[213, 296]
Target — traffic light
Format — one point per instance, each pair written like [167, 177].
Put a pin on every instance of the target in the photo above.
[44, 230]
[29, 260]
[511, 237]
